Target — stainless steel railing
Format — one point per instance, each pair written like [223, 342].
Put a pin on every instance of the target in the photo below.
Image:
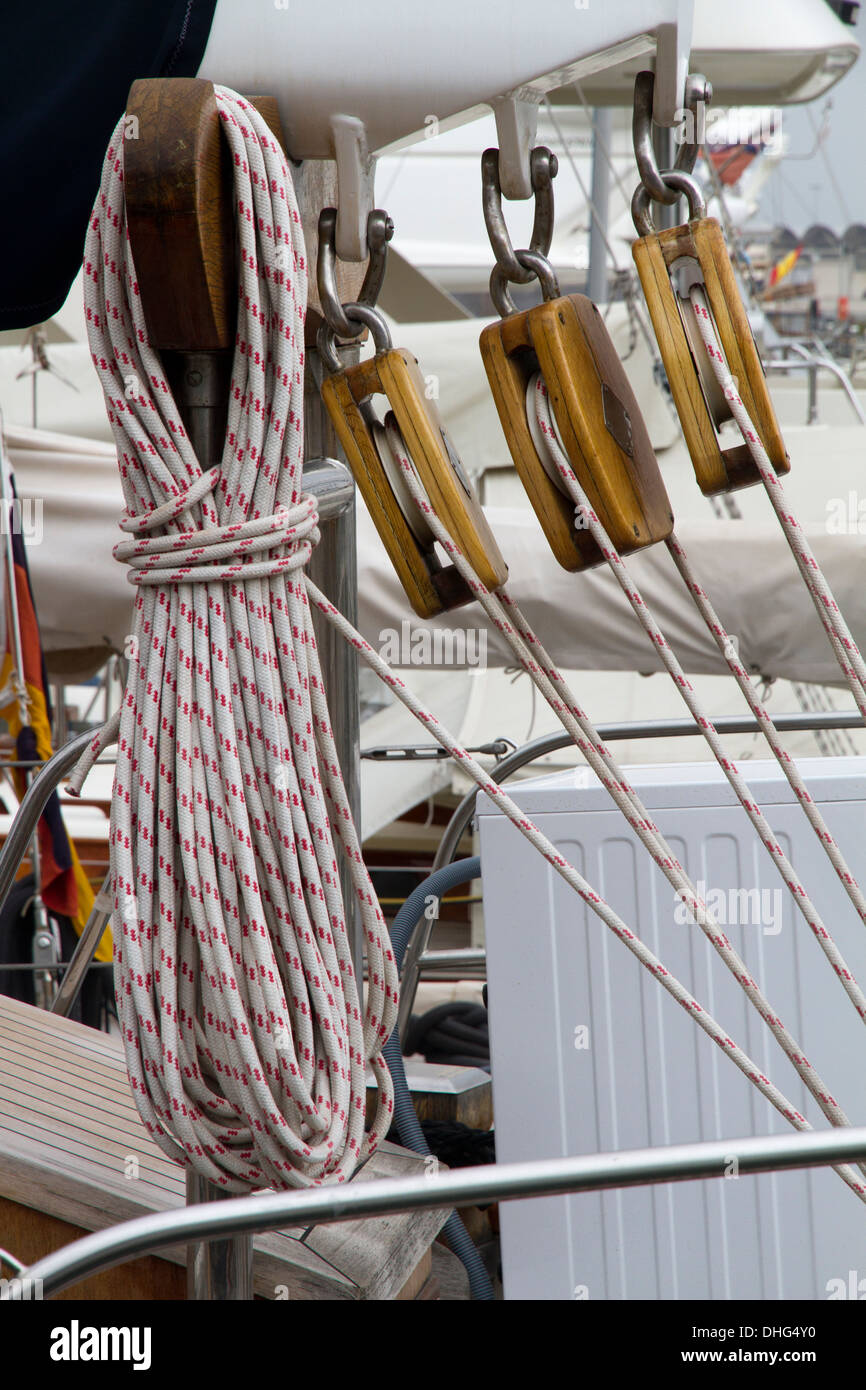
[493, 1183]
[419, 960]
[237, 1217]
[812, 360]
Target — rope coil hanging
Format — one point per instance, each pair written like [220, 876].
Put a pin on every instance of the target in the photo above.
[246, 1038]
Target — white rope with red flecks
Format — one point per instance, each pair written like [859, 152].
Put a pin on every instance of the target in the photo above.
[233, 1154]
[246, 1039]
[499, 607]
[506, 616]
[845, 649]
[702, 719]
[595, 902]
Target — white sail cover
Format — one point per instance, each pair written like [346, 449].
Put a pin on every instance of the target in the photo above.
[83, 598]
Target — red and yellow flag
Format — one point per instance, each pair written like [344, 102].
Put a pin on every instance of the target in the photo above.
[784, 266]
[64, 885]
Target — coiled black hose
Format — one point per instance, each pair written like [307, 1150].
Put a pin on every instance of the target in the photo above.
[455, 1032]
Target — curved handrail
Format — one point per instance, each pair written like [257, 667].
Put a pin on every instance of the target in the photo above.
[33, 804]
[809, 360]
[469, 1186]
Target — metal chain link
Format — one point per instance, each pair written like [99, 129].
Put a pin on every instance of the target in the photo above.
[380, 229]
[665, 186]
[358, 316]
[523, 266]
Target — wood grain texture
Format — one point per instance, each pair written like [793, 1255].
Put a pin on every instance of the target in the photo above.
[177, 177]
[567, 341]
[450, 1274]
[443, 1091]
[430, 587]
[73, 1151]
[473, 1108]
[452, 497]
[315, 183]
[421, 1286]
[716, 469]
[34, 1234]
[180, 212]
[414, 566]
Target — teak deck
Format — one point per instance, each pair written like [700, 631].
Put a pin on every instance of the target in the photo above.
[69, 1134]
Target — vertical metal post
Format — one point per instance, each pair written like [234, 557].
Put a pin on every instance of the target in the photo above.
[334, 567]
[217, 1270]
[44, 947]
[334, 562]
[200, 384]
[60, 732]
[597, 280]
[812, 373]
[812, 402]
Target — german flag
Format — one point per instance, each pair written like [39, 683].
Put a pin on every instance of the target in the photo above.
[65, 888]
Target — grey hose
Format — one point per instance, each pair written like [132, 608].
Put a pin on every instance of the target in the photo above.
[405, 1119]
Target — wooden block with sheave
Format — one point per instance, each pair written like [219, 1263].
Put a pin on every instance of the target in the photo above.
[696, 250]
[598, 421]
[181, 214]
[430, 586]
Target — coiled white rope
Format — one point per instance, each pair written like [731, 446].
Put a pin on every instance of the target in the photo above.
[246, 1039]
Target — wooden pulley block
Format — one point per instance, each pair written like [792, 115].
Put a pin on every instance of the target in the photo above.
[350, 397]
[180, 211]
[598, 421]
[180, 214]
[668, 263]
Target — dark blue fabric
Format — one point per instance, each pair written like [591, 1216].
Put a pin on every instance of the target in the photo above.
[65, 73]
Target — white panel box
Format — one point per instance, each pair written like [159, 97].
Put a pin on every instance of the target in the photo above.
[591, 1055]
